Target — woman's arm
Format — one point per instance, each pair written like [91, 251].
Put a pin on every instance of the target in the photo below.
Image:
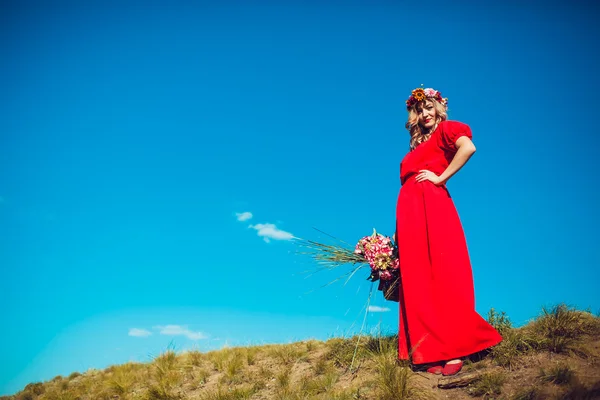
[465, 149]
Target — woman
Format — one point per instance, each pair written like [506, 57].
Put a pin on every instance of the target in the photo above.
[438, 322]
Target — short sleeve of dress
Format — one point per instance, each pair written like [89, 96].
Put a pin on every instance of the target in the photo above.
[451, 131]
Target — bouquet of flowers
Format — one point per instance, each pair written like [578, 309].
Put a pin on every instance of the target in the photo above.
[376, 250]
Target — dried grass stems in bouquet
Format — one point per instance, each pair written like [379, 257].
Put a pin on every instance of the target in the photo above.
[377, 251]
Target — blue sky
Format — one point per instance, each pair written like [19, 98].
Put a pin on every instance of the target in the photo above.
[133, 137]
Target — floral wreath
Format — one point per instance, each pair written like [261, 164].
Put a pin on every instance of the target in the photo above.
[420, 94]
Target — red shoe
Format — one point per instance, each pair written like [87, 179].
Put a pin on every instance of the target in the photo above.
[436, 369]
[452, 369]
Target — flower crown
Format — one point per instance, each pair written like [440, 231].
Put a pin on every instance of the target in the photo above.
[420, 94]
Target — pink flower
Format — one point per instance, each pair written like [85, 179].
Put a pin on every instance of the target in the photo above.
[385, 275]
[378, 251]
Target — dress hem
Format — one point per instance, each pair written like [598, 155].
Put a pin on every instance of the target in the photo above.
[430, 361]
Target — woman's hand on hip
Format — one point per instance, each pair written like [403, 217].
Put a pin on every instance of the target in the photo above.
[426, 175]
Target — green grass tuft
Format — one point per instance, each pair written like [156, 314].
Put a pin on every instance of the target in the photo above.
[527, 393]
[560, 374]
[499, 321]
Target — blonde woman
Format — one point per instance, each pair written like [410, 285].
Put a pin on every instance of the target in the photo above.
[438, 324]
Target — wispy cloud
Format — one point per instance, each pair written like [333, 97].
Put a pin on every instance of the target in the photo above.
[136, 332]
[245, 216]
[378, 309]
[178, 330]
[270, 231]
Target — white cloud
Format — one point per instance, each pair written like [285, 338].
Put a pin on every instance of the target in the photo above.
[139, 332]
[178, 330]
[378, 309]
[243, 216]
[270, 231]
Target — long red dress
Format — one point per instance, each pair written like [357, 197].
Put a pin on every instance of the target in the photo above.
[438, 320]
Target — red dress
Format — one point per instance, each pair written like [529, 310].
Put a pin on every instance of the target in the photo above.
[438, 320]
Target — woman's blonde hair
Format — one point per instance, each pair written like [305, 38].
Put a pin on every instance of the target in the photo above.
[416, 132]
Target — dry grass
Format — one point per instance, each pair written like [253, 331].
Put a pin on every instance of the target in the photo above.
[342, 351]
[121, 378]
[195, 358]
[226, 393]
[288, 353]
[527, 393]
[488, 385]
[555, 356]
[393, 382]
[560, 328]
[166, 373]
[516, 343]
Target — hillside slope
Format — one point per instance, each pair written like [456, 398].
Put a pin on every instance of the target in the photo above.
[557, 356]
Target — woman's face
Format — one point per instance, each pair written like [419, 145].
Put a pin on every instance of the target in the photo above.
[427, 114]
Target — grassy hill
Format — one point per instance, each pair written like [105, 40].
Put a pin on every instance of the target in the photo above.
[556, 356]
